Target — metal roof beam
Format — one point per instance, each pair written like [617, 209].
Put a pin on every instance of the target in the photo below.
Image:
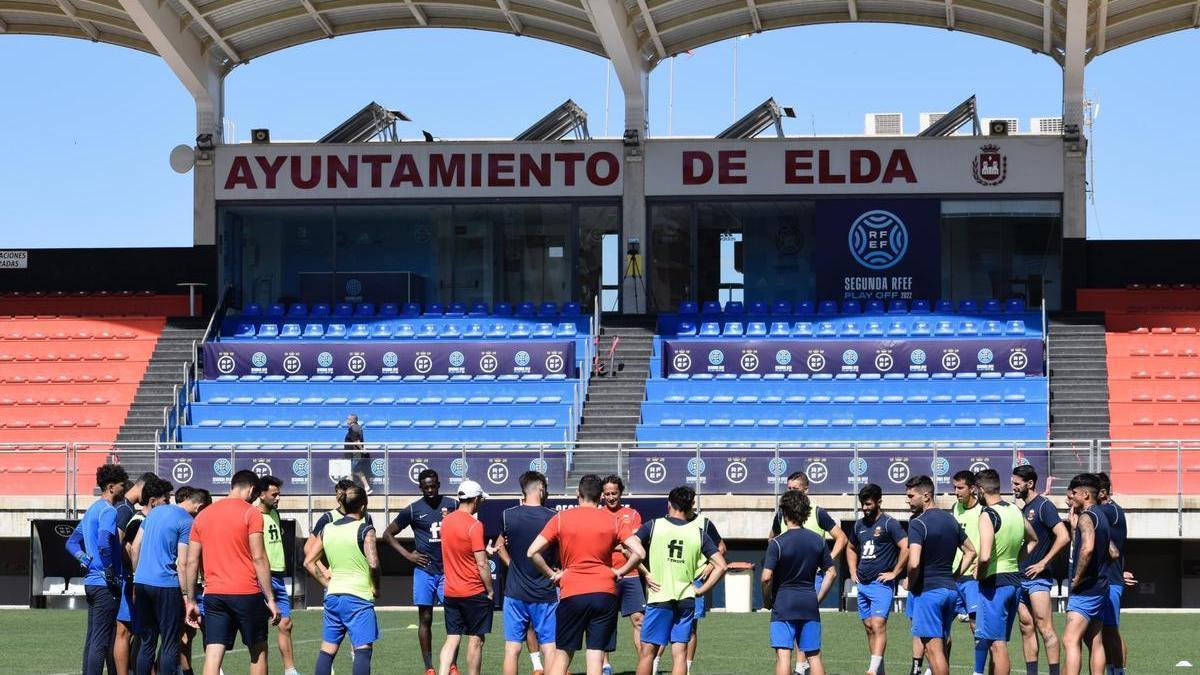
[312, 11]
[513, 19]
[417, 12]
[210, 30]
[178, 46]
[950, 14]
[754, 15]
[652, 29]
[615, 30]
[69, 10]
[851, 7]
[1047, 26]
[3, 26]
[1101, 29]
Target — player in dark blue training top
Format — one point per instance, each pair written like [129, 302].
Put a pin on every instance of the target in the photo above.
[877, 554]
[1089, 583]
[1034, 609]
[424, 516]
[793, 561]
[934, 537]
[530, 599]
[1118, 532]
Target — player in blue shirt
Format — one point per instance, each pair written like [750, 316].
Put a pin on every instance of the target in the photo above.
[424, 516]
[128, 520]
[793, 561]
[1118, 532]
[1089, 582]
[158, 581]
[934, 537]
[530, 599]
[96, 544]
[877, 554]
[1034, 609]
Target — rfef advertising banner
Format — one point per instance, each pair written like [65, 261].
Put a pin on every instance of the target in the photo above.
[879, 249]
[857, 357]
[510, 357]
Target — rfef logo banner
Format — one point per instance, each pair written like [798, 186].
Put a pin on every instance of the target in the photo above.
[883, 249]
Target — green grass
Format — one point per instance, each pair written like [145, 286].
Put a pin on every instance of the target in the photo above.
[46, 642]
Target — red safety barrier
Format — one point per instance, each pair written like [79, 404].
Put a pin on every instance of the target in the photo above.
[1136, 300]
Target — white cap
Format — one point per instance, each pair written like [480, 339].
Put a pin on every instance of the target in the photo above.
[469, 489]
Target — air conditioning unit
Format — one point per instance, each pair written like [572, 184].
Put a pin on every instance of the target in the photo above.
[885, 124]
[928, 119]
[1011, 123]
[1049, 126]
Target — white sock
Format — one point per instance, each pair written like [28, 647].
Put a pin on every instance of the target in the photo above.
[801, 667]
[655, 665]
[536, 658]
[876, 665]
[928, 671]
[689, 668]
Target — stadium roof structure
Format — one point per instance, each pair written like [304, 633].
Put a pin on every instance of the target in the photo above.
[234, 31]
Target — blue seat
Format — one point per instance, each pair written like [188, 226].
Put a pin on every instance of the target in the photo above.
[479, 309]
[276, 311]
[968, 328]
[314, 331]
[756, 328]
[343, 310]
[873, 329]
[758, 309]
[520, 330]
[290, 330]
[364, 309]
[780, 329]
[252, 309]
[920, 328]
[381, 331]
[502, 309]
[851, 307]
[434, 309]
[475, 330]
[297, 310]
[389, 309]
[244, 330]
[804, 308]
[359, 331]
[571, 309]
[827, 308]
[566, 329]
[335, 330]
[686, 328]
[993, 328]
[944, 328]
[827, 329]
[450, 331]
[710, 308]
[548, 309]
[991, 306]
[1015, 327]
[1014, 306]
[428, 331]
[411, 309]
[874, 307]
[920, 307]
[498, 330]
[944, 307]
[897, 307]
[526, 310]
[688, 308]
[781, 308]
[802, 329]
[734, 308]
[968, 307]
[543, 330]
[850, 329]
[897, 329]
[319, 311]
[710, 329]
[456, 309]
[405, 331]
[732, 329]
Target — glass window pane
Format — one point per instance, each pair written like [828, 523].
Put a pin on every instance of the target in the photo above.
[389, 253]
[599, 256]
[671, 250]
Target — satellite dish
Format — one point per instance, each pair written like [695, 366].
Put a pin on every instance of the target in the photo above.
[183, 158]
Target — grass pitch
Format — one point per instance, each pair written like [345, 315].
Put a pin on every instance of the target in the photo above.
[49, 642]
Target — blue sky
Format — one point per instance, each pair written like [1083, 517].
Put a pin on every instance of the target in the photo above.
[88, 127]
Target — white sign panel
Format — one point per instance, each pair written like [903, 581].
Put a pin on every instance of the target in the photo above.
[930, 166]
[14, 260]
[418, 170]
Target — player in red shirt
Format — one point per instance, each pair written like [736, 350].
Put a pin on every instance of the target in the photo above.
[630, 594]
[586, 537]
[226, 541]
[469, 591]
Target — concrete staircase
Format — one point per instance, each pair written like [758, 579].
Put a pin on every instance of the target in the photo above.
[1078, 384]
[165, 370]
[612, 409]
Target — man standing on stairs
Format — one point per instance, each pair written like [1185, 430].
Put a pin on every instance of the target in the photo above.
[268, 504]
[424, 516]
[360, 460]
[1034, 609]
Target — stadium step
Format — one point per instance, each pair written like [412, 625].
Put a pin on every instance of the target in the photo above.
[1077, 354]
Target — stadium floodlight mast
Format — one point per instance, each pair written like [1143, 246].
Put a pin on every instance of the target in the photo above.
[567, 118]
[954, 120]
[765, 114]
[372, 122]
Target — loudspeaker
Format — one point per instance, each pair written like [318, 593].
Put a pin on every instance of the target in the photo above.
[998, 128]
[260, 135]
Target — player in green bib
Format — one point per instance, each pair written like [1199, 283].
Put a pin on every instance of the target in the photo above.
[268, 504]
[351, 583]
[1004, 538]
[676, 553]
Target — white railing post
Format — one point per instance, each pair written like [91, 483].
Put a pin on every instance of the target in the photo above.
[1179, 484]
[308, 485]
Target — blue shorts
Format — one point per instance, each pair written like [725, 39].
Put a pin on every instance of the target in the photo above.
[283, 600]
[817, 581]
[805, 634]
[631, 595]
[428, 589]
[469, 616]
[875, 599]
[589, 618]
[1091, 607]
[701, 605]
[967, 601]
[349, 614]
[125, 611]
[1112, 608]
[997, 609]
[933, 612]
[1029, 587]
[669, 622]
[519, 616]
